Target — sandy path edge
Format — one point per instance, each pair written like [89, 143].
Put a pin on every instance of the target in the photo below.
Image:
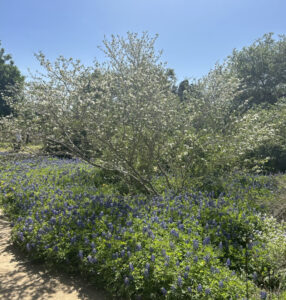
[22, 280]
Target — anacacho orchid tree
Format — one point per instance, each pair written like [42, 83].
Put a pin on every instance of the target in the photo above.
[120, 115]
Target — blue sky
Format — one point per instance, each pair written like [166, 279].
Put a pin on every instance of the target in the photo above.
[193, 34]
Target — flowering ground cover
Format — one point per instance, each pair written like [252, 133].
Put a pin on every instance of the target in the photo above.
[188, 246]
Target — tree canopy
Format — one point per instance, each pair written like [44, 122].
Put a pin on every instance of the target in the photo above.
[10, 80]
[261, 68]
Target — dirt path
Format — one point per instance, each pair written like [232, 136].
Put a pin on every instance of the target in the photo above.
[22, 280]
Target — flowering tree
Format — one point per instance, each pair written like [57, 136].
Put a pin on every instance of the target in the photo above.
[120, 116]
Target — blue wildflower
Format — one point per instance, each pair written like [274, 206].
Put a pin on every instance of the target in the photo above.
[53, 221]
[179, 281]
[263, 295]
[206, 241]
[195, 244]
[207, 258]
[90, 259]
[207, 291]
[28, 246]
[21, 236]
[164, 291]
[174, 233]
[80, 254]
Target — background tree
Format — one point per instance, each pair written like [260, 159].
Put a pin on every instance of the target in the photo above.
[10, 81]
[261, 68]
[188, 91]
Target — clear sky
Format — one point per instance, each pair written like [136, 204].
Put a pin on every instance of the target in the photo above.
[193, 34]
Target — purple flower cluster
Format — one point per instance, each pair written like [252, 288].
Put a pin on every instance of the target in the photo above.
[59, 209]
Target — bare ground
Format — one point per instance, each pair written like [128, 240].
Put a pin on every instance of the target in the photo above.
[21, 279]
